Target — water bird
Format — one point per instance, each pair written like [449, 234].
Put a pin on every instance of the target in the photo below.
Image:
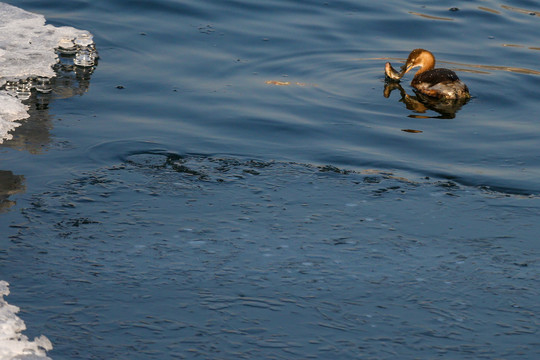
[437, 83]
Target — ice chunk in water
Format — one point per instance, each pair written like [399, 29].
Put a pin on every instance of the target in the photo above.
[13, 344]
[27, 45]
[11, 109]
[28, 52]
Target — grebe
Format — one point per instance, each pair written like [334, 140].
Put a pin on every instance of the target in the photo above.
[437, 83]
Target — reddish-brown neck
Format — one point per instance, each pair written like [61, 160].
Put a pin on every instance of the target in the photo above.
[426, 60]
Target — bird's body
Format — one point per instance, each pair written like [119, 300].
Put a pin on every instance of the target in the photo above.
[438, 83]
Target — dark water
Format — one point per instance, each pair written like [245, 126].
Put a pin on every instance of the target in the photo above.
[181, 206]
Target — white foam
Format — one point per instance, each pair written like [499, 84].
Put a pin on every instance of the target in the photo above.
[27, 50]
[13, 344]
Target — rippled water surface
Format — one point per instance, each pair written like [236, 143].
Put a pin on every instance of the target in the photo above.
[231, 182]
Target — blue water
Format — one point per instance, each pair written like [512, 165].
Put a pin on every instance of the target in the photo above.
[138, 225]
[195, 81]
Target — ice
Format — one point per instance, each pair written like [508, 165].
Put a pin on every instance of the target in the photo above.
[11, 110]
[13, 344]
[27, 45]
[28, 51]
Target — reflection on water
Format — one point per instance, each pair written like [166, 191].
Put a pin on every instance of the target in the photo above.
[420, 103]
[195, 216]
[72, 77]
[431, 17]
[10, 184]
[520, 10]
[512, 69]
[449, 93]
[33, 134]
[483, 8]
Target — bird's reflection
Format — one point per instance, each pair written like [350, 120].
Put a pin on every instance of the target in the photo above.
[420, 104]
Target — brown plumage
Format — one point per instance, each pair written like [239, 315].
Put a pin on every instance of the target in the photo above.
[439, 83]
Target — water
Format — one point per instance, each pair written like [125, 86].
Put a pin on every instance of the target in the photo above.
[180, 204]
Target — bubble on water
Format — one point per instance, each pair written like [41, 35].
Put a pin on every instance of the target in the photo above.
[13, 344]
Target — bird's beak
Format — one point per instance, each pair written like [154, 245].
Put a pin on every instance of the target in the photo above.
[405, 68]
